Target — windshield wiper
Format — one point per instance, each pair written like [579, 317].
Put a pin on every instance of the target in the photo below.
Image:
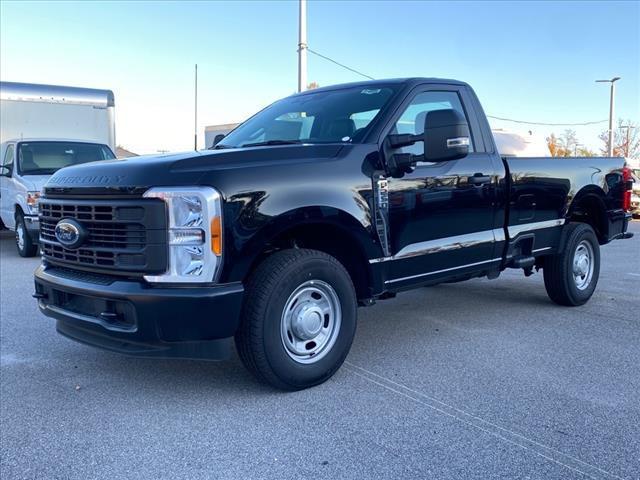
[220, 147]
[272, 142]
[39, 171]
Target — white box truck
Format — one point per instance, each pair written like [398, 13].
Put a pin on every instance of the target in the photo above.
[211, 132]
[44, 128]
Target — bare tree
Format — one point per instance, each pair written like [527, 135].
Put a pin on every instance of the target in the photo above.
[563, 146]
[626, 140]
[569, 142]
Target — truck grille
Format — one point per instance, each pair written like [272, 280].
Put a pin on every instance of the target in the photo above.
[123, 236]
[100, 221]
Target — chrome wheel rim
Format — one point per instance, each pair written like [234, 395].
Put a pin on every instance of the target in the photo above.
[583, 265]
[20, 236]
[311, 321]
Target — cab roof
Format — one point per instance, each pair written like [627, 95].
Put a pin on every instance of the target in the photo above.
[407, 82]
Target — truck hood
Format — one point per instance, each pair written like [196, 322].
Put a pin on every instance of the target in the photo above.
[137, 174]
[34, 183]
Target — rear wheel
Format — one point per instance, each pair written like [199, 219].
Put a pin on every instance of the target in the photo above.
[298, 319]
[26, 247]
[571, 277]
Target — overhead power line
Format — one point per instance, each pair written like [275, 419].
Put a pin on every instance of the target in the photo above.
[339, 64]
[548, 124]
[490, 116]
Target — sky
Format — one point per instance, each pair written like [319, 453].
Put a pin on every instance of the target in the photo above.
[532, 61]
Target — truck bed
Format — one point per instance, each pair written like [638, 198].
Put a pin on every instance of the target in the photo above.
[544, 189]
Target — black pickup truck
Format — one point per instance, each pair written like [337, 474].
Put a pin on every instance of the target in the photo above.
[323, 201]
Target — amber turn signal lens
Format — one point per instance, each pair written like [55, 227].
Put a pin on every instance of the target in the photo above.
[216, 236]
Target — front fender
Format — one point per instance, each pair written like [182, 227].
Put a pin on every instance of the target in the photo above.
[260, 218]
[20, 201]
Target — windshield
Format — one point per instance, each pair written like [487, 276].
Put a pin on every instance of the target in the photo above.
[45, 158]
[323, 117]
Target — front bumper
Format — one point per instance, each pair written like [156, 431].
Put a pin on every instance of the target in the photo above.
[134, 318]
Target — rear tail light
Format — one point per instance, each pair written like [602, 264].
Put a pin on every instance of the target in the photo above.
[627, 188]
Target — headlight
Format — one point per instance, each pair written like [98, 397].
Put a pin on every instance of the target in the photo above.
[32, 202]
[194, 234]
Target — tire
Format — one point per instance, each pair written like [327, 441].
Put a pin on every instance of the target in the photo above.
[568, 284]
[282, 320]
[26, 247]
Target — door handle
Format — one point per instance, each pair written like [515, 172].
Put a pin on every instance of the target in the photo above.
[479, 179]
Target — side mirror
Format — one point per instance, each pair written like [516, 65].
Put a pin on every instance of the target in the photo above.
[217, 139]
[446, 135]
[401, 163]
[5, 171]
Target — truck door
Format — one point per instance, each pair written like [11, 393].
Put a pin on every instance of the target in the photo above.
[441, 215]
[6, 184]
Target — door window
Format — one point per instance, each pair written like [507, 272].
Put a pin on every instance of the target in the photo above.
[412, 119]
[8, 157]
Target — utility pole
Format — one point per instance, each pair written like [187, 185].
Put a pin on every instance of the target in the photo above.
[627, 145]
[302, 47]
[575, 149]
[611, 110]
[195, 110]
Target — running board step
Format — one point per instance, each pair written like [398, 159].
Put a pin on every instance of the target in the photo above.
[522, 262]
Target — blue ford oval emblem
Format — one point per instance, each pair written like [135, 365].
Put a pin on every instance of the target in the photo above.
[69, 233]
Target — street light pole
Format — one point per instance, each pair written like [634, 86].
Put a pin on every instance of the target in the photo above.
[302, 46]
[611, 110]
[195, 111]
[575, 149]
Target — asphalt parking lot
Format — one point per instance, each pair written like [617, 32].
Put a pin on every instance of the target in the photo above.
[483, 379]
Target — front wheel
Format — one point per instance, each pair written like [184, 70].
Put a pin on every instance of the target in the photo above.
[571, 277]
[24, 243]
[298, 320]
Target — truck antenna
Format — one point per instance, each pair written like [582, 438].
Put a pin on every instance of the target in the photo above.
[195, 108]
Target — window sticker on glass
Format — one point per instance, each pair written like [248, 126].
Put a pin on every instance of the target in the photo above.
[370, 91]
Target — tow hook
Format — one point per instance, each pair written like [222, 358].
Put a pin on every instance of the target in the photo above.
[110, 317]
